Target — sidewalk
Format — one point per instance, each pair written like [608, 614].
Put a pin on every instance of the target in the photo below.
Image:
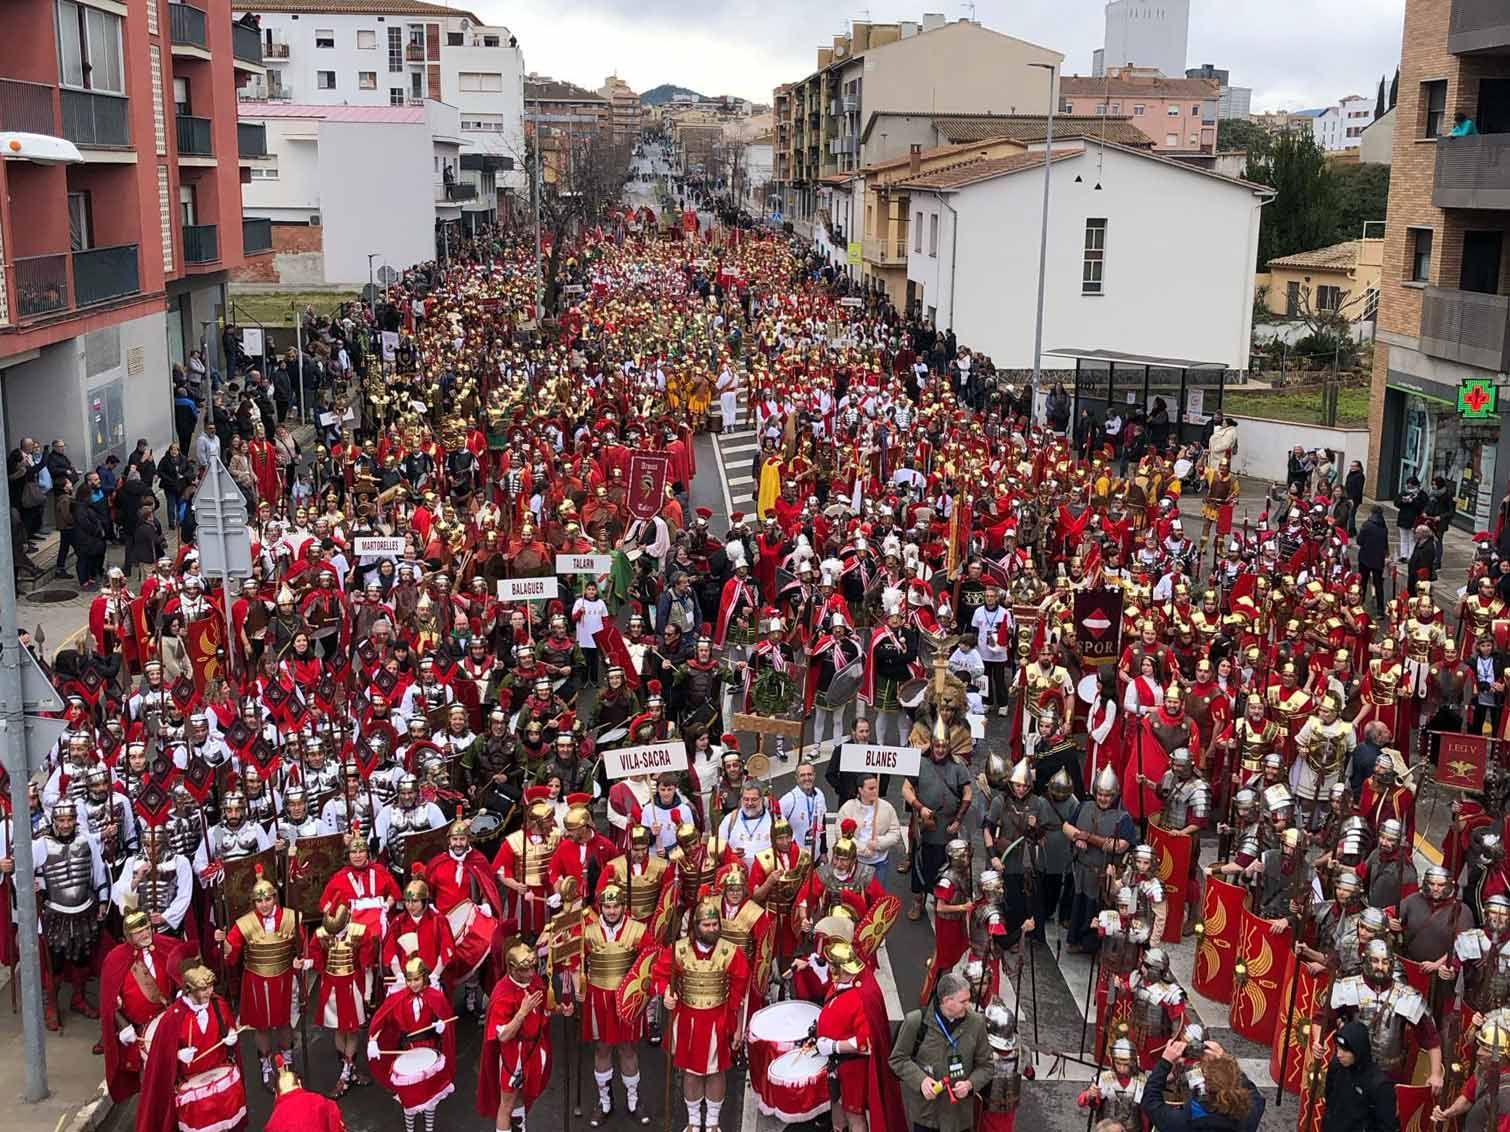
[75, 1076]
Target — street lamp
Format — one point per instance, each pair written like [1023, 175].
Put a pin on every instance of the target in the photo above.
[1043, 241]
[371, 288]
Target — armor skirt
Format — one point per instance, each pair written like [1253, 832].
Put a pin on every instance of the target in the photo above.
[738, 636]
[71, 935]
[886, 695]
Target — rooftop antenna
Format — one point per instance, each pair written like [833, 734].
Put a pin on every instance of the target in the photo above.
[970, 7]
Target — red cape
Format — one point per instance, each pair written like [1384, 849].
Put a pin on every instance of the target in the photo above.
[303, 1111]
[387, 1028]
[123, 1082]
[884, 1092]
[157, 1110]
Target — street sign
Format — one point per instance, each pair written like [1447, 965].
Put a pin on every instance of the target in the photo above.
[42, 735]
[37, 692]
[387, 275]
[225, 547]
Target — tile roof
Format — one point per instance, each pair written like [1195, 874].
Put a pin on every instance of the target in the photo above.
[1338, 257]
[382, 114]
[1087, 86]
[962, 152]
[556, 90]
[356, 8]
[986, 169]
[1033, 127]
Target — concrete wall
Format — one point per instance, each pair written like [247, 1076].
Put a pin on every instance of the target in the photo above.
[1263, 446]
[295, 193]
[1147, 33]
[1378, 140]
[959, 68]
[377, 195]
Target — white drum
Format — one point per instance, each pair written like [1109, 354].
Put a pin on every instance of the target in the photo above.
[797, 1087]
[212, 1100]
[773, 1031]
[416, 1065]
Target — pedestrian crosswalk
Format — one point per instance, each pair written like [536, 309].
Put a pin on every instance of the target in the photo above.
[736, 462]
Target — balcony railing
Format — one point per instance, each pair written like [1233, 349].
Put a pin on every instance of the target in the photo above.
[96, 119]
[274, 51]
[201, 243]
[461, 190]
[1466, 327]
[414, 52]
[190, 26]
[1478, 25]
[251, 139]
[246, 44]
[194, 137]
[877, 250]
[102, 274]
[41, 283]
[27, 108]
[256, 236]
[1473, 172]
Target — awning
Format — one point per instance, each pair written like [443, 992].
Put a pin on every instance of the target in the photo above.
[1087, 354]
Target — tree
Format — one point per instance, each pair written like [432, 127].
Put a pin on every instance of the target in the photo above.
[1362, 194]
[1394, 89]
[1379, 101]
[1302, 215]
[1235, 133]
[584, 178]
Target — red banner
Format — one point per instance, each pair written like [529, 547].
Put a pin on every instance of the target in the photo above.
[611, 641]
[1289, 1060]
[649, 473]
[1261, 955]
[1173, 853]
[1098, 617]
[1145, 756]
[1412, 1107]
[1222, 907]
[1462, 760]
[206, 640]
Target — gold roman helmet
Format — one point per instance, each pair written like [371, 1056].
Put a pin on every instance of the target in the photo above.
[840, 954]
[415, 967]
[462, 825]
[611, 893]
[781, 828]
[686, 836]
[335, 919]
[639, 837]
[707, 909]
[198, 978]
[135, 921]
[264, 888]
[521, 961]
[417, 889]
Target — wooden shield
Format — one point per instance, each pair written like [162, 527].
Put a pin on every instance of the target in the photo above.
[1288, 1054]
[422, 846]
[240, 875]
[871, 931]
[311, 864]
[1218, 934]
[634, 991]
[1412, 1106]
[1262, 953]
[1173, 851]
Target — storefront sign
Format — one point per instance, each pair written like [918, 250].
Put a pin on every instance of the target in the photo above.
[1478, 399]
[855, 254]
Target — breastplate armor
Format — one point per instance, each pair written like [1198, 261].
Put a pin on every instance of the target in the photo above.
[1420, 636]
[1171, 736]
[1253, 743]
[1119, 1102]
[1326, 748]
[98, 815]
[701, 684]
[402, 821]
[268, 953]
[1249, 842]
[557, 653]
[1385, 683]
[783, 892]
[1385, 1012]
[184, 833]
[740, 928]
[1189, 801]
[703, 981]
[261, 809]
[228, 844]
[534, 856]
[341, 950]
[835, 886]
[69, 873]
[1005, 1089]
[609, 960]
[645, 893]
[293, 831]
[1151, 1023]
[159, 888]
[321, 782]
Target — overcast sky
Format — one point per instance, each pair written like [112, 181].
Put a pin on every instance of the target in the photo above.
[1293, 53]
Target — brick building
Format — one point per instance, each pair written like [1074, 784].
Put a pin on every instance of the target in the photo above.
[1444, 313]
[115, 260]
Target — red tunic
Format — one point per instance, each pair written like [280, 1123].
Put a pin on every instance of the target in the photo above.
[267, 1001]
[207, 1093]
[950, 935]
[842, 1019]
[422, 1086]
[508, 862]
[702, 1038]
[429, 937]
[127, 987]
[342, 1000]
[601, 1021]
[303, 1111]
[526, 1055]
[573, 858]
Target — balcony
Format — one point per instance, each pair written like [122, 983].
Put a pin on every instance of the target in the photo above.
[190, 26]
[1478, 25]
[251, 139]
[41, 284]
[246, 45]
[851, 103]
[877, 249]
[27, 108]
[194, 137]
[1466, 327]
[256, 236]
[1473, 172]
[414, 53]
[461, 190]
[274, 52]
[96, 119]
[201, 243]
[102, 274]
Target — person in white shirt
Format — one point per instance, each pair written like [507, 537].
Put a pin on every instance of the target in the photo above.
[164, 896]
[747, 830]
[806, 810]
[877, 829]
[993, 622]
[728, 398]
[589, 614]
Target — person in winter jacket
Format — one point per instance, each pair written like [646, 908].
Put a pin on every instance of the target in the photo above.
[1360, 1097]
[1229, 1103]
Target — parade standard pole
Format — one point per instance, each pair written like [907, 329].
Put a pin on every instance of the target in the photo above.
[13, 724]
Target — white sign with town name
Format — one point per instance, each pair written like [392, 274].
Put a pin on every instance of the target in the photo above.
[584, 563]
[652, 758]
[526, 589]
[867, 758]
[378, 546]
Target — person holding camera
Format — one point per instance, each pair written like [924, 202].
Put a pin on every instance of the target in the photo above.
[1227, 1102]
[943, 1049]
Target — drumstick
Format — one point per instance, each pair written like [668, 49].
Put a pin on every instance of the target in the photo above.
[216, 1046]
[429, 1026]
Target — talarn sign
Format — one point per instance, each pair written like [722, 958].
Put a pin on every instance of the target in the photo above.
[867, 758]
[652, 758]
[584, 564]
[526, 589]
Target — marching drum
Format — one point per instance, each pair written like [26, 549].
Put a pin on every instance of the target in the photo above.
[135, 1055]
[796, 1087]
[775, 1030]
[212, 1100]
[472, 932]
[416, 1065]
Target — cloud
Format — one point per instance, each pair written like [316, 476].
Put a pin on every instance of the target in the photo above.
[1291, 52]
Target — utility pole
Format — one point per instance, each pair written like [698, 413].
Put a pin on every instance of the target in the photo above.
[539, 262]
[293, 309]
[18, 764]
[1043, 244]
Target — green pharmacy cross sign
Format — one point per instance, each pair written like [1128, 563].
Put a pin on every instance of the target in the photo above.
[1478, 399]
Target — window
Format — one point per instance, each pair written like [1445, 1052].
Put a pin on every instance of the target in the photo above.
[325, 80]
[1067, 108]
[181, 104]
[1328, 298]
[454, 39]
[1095, 256]
[416, 86]
[1171, 139]
[395, 50]
[1292, 299]
[1173, 111]
[490, 41]
[325, 37]
[1101, 108]
[917, 230]
[186, 206]
[367, 80]
[1371, 304]
[366, 39]
[1420, 255]
[933, 235]
[1116, 108]
[1195, 111]
[395, 96]
[478, 81]
[1434, 105]
[1138, 109]
[80, 222]
[266, 170]
[89, 48]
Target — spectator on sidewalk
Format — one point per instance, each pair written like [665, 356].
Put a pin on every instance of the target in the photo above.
[1373, 553]
[88, 537]
[1411, 503]
[174, 472]
[1352, 484]
[1342, 508]
[1223, 441]
[185, 417]
[63, 514]
[207, 447]
[1299, 468]
[1424, 556]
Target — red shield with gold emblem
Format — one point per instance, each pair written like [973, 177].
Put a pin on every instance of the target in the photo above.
[1261, 954]
[1220, 932]
[1461, 760]
[1288, 1054]
[649, 474]
[1413, 1107]
[1172, 851]
[871, 931]
[206, 639]
[634, 991]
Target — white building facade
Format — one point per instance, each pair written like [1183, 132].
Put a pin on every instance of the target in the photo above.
[1341, 127]
[367, 181]
[1145, 33]
[1158, 263]
[325, 53]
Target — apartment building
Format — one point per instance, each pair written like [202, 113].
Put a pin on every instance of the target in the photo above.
[1176, 114]
[933, 65]
[1340, 128]
[624, 109]
[1234, 101]
[1144, 33]
[115, 259]
[565, 117]
[401, 52]
[1444, 316]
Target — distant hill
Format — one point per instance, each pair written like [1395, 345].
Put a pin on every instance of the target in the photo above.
[659, 96]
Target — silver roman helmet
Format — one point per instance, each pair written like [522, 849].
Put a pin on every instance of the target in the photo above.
[1001, 1026]
[1107, 782]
